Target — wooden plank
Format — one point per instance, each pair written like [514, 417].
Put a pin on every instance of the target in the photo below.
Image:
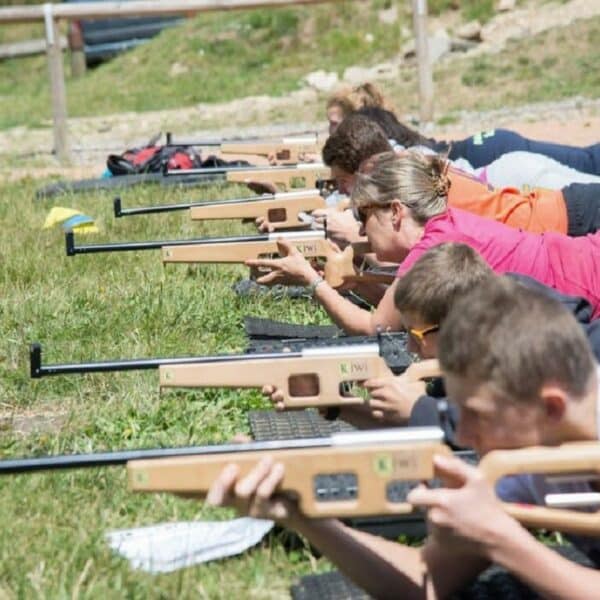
[27, 48]
[91, 10]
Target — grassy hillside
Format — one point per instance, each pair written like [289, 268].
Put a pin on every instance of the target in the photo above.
[219, 57]
[214, 57]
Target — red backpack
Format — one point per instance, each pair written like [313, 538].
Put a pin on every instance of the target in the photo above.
[152, 158]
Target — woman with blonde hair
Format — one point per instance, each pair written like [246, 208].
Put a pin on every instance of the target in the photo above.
[401, 203]
[345, 101]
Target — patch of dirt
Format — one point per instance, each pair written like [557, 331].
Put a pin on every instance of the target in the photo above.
[33, 422]
[575, 122]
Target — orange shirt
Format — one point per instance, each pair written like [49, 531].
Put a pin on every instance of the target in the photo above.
[539, 211]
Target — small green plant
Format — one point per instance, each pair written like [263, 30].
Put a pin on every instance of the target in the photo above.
[448, 119]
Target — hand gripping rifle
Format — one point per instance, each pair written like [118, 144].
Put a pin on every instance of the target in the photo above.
[350, 474]
[300, 176]
[330, 369]
[281, 210]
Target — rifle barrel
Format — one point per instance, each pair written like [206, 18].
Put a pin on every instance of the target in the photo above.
[219, 170]
[72, 249]
[37, 370]
[120, 457]
[147, 210]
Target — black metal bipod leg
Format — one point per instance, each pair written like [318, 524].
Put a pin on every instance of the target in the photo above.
[70, 243]
[117, 207]
[35, 360]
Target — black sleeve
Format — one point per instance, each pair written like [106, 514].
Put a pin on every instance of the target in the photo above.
[592, 330]
[579, 307]
[435, 412]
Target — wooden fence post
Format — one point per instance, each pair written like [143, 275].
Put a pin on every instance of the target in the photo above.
[419, 10]
[57, 86]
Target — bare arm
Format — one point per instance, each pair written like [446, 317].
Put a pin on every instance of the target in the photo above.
[345, 314]
[548, 573]
[384, 569]
[469, 517]
[355, 320]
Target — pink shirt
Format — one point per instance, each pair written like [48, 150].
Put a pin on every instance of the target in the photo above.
[569, 265]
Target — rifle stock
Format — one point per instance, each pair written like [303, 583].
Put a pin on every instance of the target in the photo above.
[352, 480]
[286, 151]
[344, 480]
[300, 176]
[327, 368]
[280, 210]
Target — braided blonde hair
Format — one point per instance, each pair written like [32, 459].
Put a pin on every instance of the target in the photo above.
[419, 182]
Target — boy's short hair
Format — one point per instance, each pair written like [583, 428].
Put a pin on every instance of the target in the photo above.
[514, 340]
[443, 274]
[355, 139]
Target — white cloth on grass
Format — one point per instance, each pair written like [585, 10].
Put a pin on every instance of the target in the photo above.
[170, 546]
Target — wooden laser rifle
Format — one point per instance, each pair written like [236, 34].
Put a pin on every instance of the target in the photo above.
[289, 150]
[351, 474]
[287, 177]
[331, 369]
[119, 211]
[338, 268]
[281, 210]
[285, 151]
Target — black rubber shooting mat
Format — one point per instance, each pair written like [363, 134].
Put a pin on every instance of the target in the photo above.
[328, 586]
[257, 328]
[292, 424]
[123, 181]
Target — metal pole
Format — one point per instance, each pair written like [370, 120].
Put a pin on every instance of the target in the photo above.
[419, 8]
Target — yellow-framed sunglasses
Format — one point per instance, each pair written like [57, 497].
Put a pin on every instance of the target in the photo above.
[419, 334]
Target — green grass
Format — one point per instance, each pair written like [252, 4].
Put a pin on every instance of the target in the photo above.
[111, 306]
[481, 10]
[551, 66]
[522, 74]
